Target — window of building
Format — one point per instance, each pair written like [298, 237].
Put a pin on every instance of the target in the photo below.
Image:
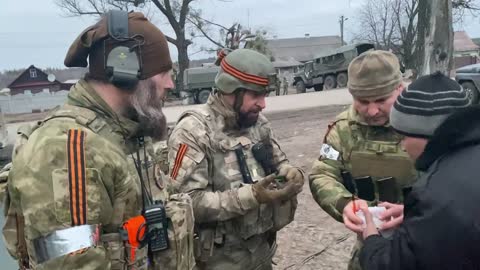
[33, 73]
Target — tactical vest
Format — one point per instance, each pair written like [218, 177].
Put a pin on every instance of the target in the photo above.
[178, 208]
[377, 153]
[225, 174]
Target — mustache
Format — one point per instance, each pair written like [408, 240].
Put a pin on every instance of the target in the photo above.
[255, 110]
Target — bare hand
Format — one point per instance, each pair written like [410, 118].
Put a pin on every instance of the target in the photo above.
[370, 229]
[350, 219]
[392, 217]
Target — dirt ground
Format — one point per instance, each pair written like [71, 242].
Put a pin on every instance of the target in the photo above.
[313, 240]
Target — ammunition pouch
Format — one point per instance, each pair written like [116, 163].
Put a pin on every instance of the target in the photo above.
[256, 221]
[386, 174]
[180, 254]
[119, 253]
[284, 213]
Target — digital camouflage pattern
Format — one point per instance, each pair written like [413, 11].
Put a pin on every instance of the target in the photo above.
[39, 190]
[235, 231]
[353, 138]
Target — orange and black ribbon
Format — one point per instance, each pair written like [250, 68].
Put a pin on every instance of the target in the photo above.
[182, 150]
[76, 176]
[246, 77]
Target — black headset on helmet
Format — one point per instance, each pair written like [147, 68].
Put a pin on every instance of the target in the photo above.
[123, 65]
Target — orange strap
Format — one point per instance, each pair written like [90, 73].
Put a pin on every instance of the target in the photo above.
[135, 228]
[182, 150]
[243, 75]
[76, 176]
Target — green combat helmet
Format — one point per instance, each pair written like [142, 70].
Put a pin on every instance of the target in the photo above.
[245, 69]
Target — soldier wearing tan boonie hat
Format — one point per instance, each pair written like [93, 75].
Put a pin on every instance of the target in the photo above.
[361, 142]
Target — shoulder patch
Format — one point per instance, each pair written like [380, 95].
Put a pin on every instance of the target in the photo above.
[182, 150]
[328, 152]
[329, 128]
[76, 176]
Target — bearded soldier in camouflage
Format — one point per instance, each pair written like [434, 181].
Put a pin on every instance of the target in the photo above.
[361, 153]
[78, 188]
[225, 156]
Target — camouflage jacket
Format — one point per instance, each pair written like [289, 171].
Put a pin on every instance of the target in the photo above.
[352, 145]
[78, 170]
[203, 163]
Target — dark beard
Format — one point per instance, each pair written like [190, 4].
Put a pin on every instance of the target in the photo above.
[147, 105]
[246, 120]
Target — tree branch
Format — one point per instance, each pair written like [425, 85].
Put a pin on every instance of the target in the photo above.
[205, 34]
[212, 23]
[171, 40]
[166, 9]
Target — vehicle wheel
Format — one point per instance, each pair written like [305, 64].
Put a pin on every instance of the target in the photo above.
[330, 82]
[472, 91]
[202, 96]
[300, 85]
[318, 87]
[342, 80]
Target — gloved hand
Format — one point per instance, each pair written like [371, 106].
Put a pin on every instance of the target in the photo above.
[264, 193]
[293, 175]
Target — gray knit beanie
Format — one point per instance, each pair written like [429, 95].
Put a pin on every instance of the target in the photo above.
[425, 104]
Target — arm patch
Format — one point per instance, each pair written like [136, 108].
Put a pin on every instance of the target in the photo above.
[182, 150]
[76, 176]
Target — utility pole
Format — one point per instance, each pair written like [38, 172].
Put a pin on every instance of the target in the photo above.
[342, 21]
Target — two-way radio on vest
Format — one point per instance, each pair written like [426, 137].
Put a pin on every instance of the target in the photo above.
[123, 68]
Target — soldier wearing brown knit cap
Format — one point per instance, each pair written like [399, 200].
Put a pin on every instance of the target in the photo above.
[360, 143]
[84, 193]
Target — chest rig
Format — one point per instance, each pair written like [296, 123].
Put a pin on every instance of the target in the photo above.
[225, 173]
[381, 169]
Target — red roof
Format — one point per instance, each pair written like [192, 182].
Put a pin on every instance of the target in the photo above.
[462, 42]
[33, 84]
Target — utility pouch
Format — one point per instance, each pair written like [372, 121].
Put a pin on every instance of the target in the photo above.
[365, 188]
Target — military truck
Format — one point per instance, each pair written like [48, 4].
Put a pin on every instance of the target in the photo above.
[469, 78]
[198, 83]
[329, 70]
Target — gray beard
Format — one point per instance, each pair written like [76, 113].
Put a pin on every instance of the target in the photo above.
[147, 105]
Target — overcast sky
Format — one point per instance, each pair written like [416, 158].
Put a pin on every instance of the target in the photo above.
[37, 32]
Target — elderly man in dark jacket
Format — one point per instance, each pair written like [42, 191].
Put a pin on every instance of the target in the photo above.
[441, 226]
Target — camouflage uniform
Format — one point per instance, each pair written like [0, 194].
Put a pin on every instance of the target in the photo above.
[104, 194]
[363, 150]
[353, 146]
[235, 232]
[285, 86]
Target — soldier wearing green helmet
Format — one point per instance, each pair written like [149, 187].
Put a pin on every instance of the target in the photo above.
[225, 156]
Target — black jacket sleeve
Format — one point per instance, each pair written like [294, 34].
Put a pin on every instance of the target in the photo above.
[379, 253]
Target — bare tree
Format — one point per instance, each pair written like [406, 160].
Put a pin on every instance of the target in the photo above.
[378, 21]
[399, 26]
[406, 13]
[260, 44]
[231, 37]
[390, 25]
[175, 11]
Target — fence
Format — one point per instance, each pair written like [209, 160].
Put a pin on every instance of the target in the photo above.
[28, 103]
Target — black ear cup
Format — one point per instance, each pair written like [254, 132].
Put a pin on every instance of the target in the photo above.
[122, 64]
